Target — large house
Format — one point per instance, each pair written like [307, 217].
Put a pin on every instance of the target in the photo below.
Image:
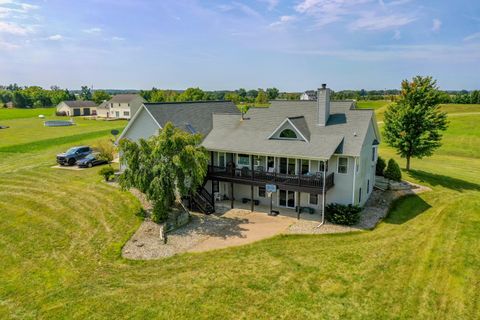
[309, 95]
[77, 108]
[120, 106]
[311, 152]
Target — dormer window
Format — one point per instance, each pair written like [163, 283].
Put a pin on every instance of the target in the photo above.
[288, 134]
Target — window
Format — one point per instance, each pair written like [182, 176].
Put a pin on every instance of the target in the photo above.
[313, 199]
[244, 159]
[126, 113]
[291, 166]
[119, 104]
[322, 163]
[360, 195]
[342, 165]
[259, 162]
[288, 134]
[261, 191]
[270, 164]
[368, 185]
[357, 164]
[374, 151]
[304, 167]
[221, 159]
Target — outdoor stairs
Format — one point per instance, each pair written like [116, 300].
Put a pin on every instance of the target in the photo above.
[202, 201]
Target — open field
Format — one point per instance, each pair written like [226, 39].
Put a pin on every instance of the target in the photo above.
[61, 233]
[6, 114]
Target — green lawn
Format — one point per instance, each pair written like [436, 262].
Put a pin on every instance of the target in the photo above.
[6, 114]
[61, 233]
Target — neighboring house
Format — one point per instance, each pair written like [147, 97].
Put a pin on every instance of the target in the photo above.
[304, 148]
[77, 108]
[309, 95]
[121, 106]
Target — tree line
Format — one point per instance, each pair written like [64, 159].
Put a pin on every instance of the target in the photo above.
[37, 97]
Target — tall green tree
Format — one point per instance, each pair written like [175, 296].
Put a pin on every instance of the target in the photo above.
[162, 166]
[262, 97]
[192, 94]
[100, 95]
[86, 93]
[272, 93]
[414, 124]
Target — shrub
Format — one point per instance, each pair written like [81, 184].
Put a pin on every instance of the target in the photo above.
[105, 149]
[393, 171]
[61, 114]
[107, 172]
[380, 168]
[342, 214]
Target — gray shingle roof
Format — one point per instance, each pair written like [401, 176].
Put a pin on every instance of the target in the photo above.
[301, 124]
[123, 98]
[80, 104]
[188, 115]
[346, 127]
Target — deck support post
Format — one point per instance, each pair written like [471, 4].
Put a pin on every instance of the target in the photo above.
[252, 207]
[231, 195]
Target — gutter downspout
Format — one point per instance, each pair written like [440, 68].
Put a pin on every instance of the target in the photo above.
[323, 195]
[354, 176]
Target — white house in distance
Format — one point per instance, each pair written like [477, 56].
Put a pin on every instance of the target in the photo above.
[120, 106]
[313, 152]
[309, 95]
[77, 108]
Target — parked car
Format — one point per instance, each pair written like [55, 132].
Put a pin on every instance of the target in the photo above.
[73, 155]
[91, 160]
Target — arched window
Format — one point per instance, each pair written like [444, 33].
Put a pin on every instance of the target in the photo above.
[288, 133]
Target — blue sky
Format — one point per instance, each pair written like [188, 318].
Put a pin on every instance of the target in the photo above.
[292, 45]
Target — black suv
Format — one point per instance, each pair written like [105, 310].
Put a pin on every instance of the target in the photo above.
[72, 155]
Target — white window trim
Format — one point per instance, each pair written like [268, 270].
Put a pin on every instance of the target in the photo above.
[224, 164]
[338, 165]
[244, 165]
[294, 197]
[295, 130]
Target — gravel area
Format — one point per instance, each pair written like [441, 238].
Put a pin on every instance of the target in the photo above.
[375, 210]
[146, 244]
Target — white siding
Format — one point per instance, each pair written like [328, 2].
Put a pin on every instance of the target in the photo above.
[143, 127]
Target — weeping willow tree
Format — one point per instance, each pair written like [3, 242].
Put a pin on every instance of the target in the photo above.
[162, 166]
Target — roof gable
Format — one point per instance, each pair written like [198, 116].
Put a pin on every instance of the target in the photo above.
[292, 128]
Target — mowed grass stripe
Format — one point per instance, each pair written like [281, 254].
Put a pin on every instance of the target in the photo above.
[47, 143]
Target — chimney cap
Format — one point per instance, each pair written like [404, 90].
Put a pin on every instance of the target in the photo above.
[324, 85]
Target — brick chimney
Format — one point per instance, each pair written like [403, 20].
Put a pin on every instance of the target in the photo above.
[323, 105]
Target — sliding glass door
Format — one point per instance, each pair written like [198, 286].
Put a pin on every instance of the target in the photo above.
[286, 198]
[287, 165]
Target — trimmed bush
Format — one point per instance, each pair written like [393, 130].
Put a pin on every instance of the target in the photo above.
[107, 172]
[105, 149]
[342, 214]
[380, 168]
[393, 171]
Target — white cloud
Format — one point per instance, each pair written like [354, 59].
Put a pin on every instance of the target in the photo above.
[118, 39]
[13, 28]
[56, 37]
[94, 30]
[472, 37]
[372, 22]
[436, 25]
[282, 21]
[8, 46]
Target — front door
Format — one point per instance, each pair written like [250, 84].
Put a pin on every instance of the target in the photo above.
[286, 198]
[117, 114]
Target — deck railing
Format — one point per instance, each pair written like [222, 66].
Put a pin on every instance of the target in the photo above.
[307, 180]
